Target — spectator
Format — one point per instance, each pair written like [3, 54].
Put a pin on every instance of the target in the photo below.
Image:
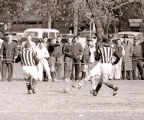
[127, 59]
[52, 59]
[43, 66]
[29, 40]
[88, 57]
[137, 60]
[117, 68]
[45, 44]
[9, 52]
[68, 59]
[77, 51]
[59, 58]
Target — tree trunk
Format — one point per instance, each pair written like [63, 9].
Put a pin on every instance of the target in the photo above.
[76, 18]
[99, 28]
[49, 20]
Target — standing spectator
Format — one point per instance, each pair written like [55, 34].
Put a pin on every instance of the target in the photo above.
[127, 59]
[45, 44]
[77, 51]
[52, 58]
[117, 68]
[9, 52]
[68, 59]
[43, 66]
[29, 40]
[88, 59]
[137, 60]
[59, 58]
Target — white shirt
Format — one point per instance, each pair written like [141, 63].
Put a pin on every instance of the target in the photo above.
[42, 53]
[92, 54]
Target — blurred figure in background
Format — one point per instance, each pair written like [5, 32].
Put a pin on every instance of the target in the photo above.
[127, 59]
[137, 60]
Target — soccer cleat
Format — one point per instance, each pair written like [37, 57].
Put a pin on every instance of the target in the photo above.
[76, 86]
[33, 90]
[29, 92]
[95, 93]
[115, 91]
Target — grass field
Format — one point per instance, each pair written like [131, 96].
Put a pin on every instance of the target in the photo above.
[51, 103]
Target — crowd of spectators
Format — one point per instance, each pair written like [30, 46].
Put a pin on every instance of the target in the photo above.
[70, 61]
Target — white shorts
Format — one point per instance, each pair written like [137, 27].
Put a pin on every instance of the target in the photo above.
[96, 70]
[31, 71]
[101, 68]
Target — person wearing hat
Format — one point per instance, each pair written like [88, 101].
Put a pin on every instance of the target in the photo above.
[9, 53]
[137, 60]
[127, 58]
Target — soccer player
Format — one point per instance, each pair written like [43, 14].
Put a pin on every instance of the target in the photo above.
[29, 65]
[103, 69]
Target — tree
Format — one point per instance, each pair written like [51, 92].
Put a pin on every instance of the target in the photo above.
[10, 10]
[47, 9]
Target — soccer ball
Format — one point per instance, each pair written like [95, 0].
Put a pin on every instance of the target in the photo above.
[66, 89]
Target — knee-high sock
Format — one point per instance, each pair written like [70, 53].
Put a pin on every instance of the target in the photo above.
[110, 85]
[28, 86]
[34, 84]
[99, 85]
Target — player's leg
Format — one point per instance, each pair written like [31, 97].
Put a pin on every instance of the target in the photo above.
[94, 72]
[28, 84]
[110, 85]
[95, 92]
[106, 71]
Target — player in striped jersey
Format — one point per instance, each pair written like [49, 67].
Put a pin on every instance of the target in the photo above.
[103, 69]
[29, 62]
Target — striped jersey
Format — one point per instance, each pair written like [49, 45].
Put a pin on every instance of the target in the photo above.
[106, 53]
[27, 57]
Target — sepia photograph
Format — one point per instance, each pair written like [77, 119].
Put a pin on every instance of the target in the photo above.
[71, 59]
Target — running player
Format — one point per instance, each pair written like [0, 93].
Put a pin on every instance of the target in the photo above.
[103, 69]
[29, 65]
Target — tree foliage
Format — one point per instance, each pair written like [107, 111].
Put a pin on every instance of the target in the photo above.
[10, 9]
